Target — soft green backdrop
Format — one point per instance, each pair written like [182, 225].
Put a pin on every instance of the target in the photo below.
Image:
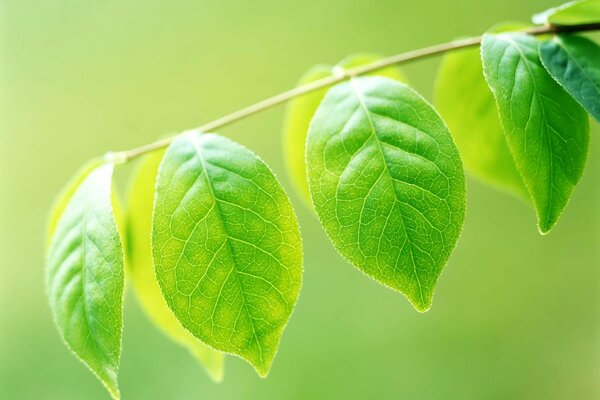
[516, 315]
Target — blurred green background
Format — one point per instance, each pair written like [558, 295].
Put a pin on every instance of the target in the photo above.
[516, 315]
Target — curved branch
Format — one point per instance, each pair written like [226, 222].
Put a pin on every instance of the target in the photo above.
[125, 156]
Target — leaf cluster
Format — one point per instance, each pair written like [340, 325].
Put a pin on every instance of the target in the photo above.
[209, 238]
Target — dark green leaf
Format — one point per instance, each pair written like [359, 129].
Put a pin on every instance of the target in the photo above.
[574, 61]
[546, 130]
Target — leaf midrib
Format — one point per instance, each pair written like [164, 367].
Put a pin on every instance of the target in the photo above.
[537, 94]
[200, 155]
[84, 273]
[365, 109]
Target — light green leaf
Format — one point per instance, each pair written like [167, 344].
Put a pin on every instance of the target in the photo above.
[139, 217]
[300, 111]
[546, 130]
[85, 277]
[468, 107]
[571, 13]
[574, 61]
[63, 198]
[387, 183]
[226, 246]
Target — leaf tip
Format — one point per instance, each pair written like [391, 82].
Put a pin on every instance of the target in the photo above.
[544, 229]
[546, 223]
[262, 370]
[422, 306]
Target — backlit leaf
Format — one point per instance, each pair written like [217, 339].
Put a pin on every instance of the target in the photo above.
[85, 276]
[226, 246]
[546, 130]
[387, 183]
[574, 61]
[571, 13]
[139, 215]
[300, 111]
[61, 201]
[468, 107]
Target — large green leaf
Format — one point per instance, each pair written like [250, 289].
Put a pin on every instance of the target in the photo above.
[547, 131]
[387, 183]
[85, 276]
[139, 217]
[571, 13]
[226, 246]
[300, 111]
[468, 107]
[574, 61]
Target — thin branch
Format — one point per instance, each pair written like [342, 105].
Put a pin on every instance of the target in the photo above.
[339, 76]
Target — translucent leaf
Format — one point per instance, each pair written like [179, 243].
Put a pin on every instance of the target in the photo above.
[85, 276]
[574, 61]
[571, 13]
[387, 183]
[468, 107]
[139, 217]
[226, 246]
[300, 111]
[546, 130]
[61, 201]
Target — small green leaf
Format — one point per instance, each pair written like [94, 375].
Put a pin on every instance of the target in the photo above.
[139, 217]
[468, 107]
[300, 111]
[574, 61]
[546, 130]
[85, 276]
[571, 13]
[226, 246]
[387, 183]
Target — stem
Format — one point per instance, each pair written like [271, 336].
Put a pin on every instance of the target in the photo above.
[339, 76]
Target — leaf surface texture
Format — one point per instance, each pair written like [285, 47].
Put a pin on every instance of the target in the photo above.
[387, 183]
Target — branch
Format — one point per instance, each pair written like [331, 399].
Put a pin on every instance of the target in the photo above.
[339, 76]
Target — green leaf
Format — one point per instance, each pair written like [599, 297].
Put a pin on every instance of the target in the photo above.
[300, 111]
[85, 277]
[546, 130]
[139, 217]
[574, 61]
[226, 246]
[468, 107]
[571, 13]
[387, 183]
[63, 198]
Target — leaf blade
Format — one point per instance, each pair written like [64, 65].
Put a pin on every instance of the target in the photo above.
[571, 13]
[574, 61]
[537, 115]
[299, 112]
[383, 170]
[66, 193]
[251, 260]
[140, 202]
[469, 109]
[85, 277]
